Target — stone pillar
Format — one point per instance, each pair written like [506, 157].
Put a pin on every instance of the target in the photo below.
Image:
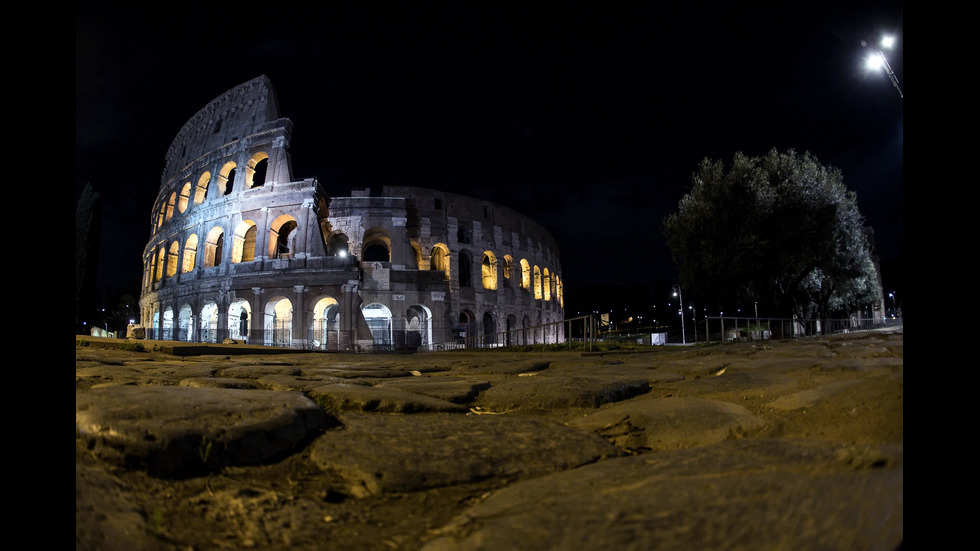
[299, 317]
[262, 236]
[399, 321]
[401, 246]
[256, 332]
[278, 170]
[223, 305]
[350, 307]
[304, 233]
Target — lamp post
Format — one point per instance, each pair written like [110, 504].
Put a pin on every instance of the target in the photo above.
[677, 293]
[876, 60]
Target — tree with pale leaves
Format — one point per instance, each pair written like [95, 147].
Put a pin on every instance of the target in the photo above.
[779, 230]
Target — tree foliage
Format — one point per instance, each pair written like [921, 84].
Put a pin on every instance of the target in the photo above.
[781, 230]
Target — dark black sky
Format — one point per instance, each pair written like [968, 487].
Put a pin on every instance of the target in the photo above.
[588, 119]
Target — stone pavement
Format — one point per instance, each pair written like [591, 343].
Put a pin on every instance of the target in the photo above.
[776, 445]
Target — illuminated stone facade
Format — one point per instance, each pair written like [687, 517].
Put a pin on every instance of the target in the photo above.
[239, 249]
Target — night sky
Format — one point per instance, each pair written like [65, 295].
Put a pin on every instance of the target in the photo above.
[589, 120]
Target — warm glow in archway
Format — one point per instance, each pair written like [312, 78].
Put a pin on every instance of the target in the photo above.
[255, 172]
[525, 274]
[546, 284]
[243, 247]
[537, 282]
[190, 254]
[440, 259]
[489, 270]
[201, 191]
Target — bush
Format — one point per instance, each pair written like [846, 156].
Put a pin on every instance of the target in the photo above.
[134, 347]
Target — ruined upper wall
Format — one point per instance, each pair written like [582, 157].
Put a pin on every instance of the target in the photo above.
[246, 109]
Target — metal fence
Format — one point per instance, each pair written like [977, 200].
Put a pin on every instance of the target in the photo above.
[282, 333]
[727, 329]
[583, 328]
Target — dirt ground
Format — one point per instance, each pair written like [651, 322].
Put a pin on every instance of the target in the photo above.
[845, 390]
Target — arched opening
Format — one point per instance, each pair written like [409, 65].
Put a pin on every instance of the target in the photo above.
[279, 322]
[159, 262]
[489, 271]
[155, 327]
[243, 246]
[461, 333]
[376, 252]
[239, 322]
[172, 256]
[416, 254]
[378, 318]
[226, 177]
[508, 270]
[159, 258]
[167, 329]
[525, 274]
[201, 191]
[377, 246]
[148, 266]
[170, 205]
[465, 268]
[213, 247]
[282, 236]
[190, 254]
[337, 246]
[209, 322]
[489, 330]
[326, 324]
[509, 339]
[546, 284]
[560, 291]
[185, 324]
[440, 259]
[185, 197]
[419, 332]
[537, 283]
[255, 172]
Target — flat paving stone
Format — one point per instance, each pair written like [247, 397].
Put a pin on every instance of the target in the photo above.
[174, 431]
[744, 494]
[550, 392]
[811, 396]
[456, 390]
[378, 454]
[657, 424]
[352, 397]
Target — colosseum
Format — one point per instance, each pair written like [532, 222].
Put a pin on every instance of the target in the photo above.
[239, 249]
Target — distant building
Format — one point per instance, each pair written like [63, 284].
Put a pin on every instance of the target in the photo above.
[239, 249]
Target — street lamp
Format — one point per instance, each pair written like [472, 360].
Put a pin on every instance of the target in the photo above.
[677, 293]
[876, 60]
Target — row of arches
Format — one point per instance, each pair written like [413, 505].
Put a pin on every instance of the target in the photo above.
[210, 248]
[505, 330]
[195, 193]
[543, 284]
[275, 325]
[186, 325]
[323, 330]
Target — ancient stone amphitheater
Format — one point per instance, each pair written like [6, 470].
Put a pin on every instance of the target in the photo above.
[239, 249]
